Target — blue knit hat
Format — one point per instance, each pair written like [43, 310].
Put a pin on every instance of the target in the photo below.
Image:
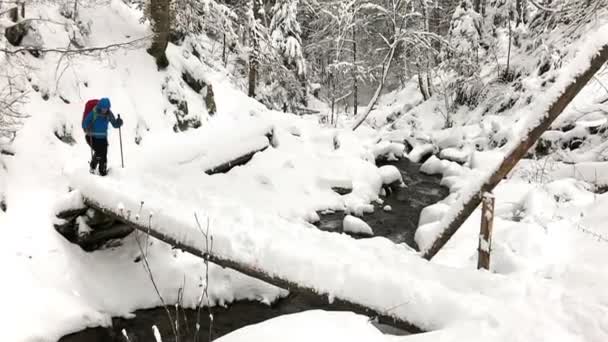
[104, 103]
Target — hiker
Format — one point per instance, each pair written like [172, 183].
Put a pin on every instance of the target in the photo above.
[95, 125]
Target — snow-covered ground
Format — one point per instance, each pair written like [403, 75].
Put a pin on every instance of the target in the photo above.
[548, 280]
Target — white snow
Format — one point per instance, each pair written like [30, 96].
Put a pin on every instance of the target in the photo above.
[390, 174]
[549, 240]
[308, 326]
[419, 151]
[355, 225]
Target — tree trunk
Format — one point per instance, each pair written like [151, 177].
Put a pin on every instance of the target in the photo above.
[425, 95]
[385, 68]
[253, 56]
[75, 14]
[253, 73]
[507, 76]
[427, 28]
[333, 98]
[161, 26]
[14, 14]
[355, 85]
[428, 80]
[477, 6]
[472, 199]
[224, 56]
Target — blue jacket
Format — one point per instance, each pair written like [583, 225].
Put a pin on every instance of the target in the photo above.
[96, 124]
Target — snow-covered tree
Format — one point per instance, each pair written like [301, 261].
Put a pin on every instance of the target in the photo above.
[213, 17]
[285, 34]
[463, 56]
[465, 38]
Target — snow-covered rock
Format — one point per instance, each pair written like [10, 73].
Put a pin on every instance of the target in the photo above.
[421, 152]
[355, 225]
[390, 175]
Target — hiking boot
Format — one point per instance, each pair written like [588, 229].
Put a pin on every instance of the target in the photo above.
[91, 170]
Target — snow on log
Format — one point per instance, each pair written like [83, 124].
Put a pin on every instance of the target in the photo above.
[239, 155]
[548, 108]
[251, 270]
[174, 230]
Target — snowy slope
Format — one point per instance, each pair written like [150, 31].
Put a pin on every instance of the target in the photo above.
[63, 289]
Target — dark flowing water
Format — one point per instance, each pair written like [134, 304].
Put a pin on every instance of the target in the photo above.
[398, 225]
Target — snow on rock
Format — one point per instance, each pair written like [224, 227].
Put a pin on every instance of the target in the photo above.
[355, 225]
[387, 208]
[390, 150]
[82, 227]
[420, 152]
[446, 168]
[390, 174]
[486, 160]
[432, 166]
[460, 156]
[449, 138]
[432, 213]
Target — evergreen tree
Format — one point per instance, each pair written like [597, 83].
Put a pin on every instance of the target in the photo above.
[285, 34]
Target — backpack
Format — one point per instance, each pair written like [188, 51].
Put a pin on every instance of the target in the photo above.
[88, 107]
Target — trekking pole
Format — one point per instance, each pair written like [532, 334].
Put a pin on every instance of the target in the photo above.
[122, 161]
[90, 141]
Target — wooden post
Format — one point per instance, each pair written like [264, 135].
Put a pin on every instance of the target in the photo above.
[485, 234]
[558, 104]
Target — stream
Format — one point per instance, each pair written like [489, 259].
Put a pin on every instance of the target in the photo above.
[398, 225]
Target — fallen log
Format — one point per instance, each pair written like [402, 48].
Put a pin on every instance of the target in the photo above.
[252, 271]
[242, 159]
[562, 98]
[98, 238]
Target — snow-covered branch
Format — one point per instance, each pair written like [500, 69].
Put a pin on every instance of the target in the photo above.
[78, 51]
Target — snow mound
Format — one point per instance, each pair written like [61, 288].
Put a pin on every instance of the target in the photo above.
[315, 325]
[355, 225]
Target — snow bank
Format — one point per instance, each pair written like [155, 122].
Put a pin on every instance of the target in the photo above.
[355, 225]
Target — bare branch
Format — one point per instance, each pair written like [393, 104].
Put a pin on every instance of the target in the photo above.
[83, 51]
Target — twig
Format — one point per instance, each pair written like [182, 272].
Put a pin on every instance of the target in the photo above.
[543, 8]
[151, 276]
[205, 293]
